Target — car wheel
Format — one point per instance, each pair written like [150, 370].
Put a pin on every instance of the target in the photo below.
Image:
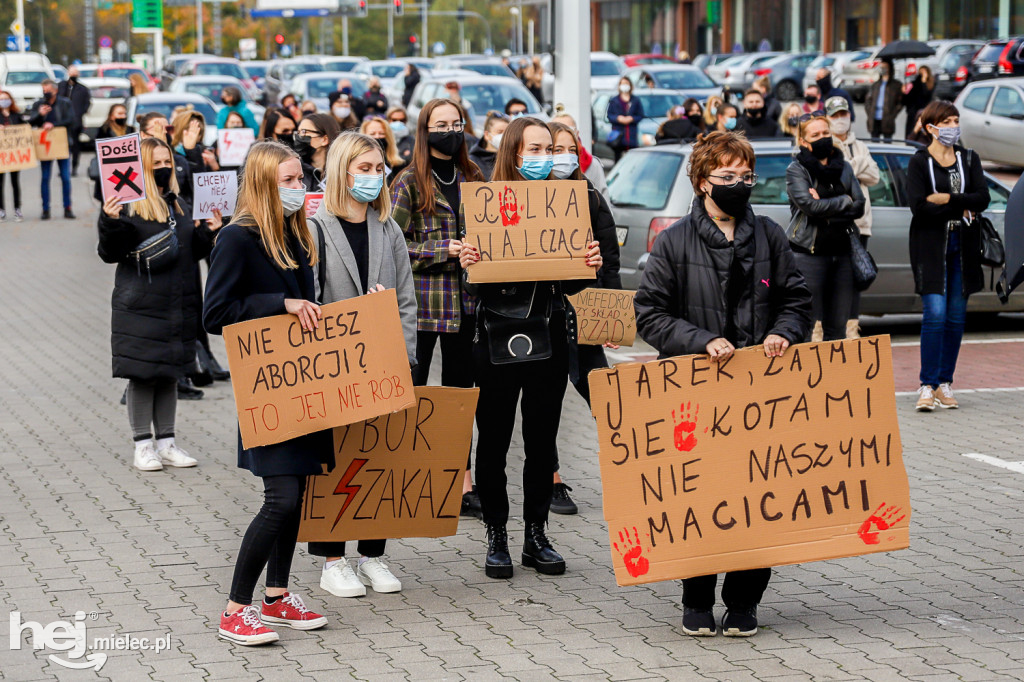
[786, 91]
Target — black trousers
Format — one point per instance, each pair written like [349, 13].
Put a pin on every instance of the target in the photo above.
[876, 131]
[541, 384]
[270, 539]
[367, 548]
[75, 146]
[588, 358]
[740, 589]
[456, 364]
[15, 186]
[830, 279]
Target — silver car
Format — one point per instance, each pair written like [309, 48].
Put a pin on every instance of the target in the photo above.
[319, 85]
[649, 190]
[483, 93]
[211, 87]
[835, 62]
[992, 119]
[737, 73]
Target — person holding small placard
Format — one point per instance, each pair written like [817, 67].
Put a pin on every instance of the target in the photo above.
[10, 115]
[521, 348]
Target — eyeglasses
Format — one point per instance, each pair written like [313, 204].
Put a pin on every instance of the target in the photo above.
[456, 127]
[814, 114]
[731, 180]
[399, 120]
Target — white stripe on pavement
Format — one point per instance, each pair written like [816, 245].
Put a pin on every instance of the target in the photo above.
[965, 342]
[995, 461]
[904, 394]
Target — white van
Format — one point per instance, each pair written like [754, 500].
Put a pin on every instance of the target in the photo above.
[22, 74]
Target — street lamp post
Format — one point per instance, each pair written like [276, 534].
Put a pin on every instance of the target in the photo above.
[517, 37]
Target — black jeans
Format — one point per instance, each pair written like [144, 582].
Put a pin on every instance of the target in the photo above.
[542, 386]
[367, 548]
[15, 185]
[270, 539]
[456, 352]
[588, 358]
[740, 589]
[75, 146]
[830, 279]
[876, 131]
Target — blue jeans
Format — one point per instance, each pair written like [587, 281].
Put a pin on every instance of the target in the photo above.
[942, 324]
[64, 168]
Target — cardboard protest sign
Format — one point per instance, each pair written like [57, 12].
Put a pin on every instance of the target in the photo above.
[17, 148]
[313, 201]
[395, 476]
[289, 382]
[52, 144]
[120, 166]
[233, 145]
[528, 231]
[217, 190]
[605, 316]
[752, 462]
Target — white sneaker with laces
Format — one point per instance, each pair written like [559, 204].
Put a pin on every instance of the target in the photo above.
[341, 581]
[146, 459]
[944, 397]
[174, 456]
[375, 573]
[925, 399]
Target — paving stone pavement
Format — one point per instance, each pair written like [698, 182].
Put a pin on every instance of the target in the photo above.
[150, 554]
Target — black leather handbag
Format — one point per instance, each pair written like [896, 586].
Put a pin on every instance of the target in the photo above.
[993, 253]
[159, 252]
[865, 270]
[517, 332]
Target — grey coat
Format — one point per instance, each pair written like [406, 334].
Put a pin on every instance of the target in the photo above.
[388, 266]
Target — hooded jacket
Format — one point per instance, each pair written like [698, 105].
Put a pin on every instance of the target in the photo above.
[483, 158]
[681, 303]
[865, 169]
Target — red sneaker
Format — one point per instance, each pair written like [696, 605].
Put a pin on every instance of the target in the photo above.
[292, 613]
[245, 627]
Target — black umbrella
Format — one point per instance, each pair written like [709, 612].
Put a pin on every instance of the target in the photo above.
[905, 49]
[1013, 238]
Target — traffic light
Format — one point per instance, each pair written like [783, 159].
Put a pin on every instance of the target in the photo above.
[361, 9]
[399, 7]
[279, 39]
[413, 40]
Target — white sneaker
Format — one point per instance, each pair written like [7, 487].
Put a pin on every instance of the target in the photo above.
[375, 573]
[341, 581]
[174, 456]
[926, 399]
[146, 459]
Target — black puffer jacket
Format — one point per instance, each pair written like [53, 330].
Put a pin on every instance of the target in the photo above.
[153, 323]
[840, 202]
[681, 302]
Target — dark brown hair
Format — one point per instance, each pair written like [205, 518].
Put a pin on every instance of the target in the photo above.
[423, 178]
[14, 104]
[325, 124]
[506, 168]
[717, 149]
[937, 111]
[270, 119]
[557, 128]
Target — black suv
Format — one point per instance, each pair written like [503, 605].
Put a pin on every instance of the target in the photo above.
[999, 58]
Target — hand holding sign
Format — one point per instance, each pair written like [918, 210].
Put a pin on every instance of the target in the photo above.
[214, 191]
[120, 166]
[233, 145]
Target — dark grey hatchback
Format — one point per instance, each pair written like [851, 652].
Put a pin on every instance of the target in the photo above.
[649, 189]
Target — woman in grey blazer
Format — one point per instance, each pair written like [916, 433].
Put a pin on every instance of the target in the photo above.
[362, 250]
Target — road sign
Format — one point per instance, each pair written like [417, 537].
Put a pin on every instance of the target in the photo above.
[147, 16]
[439, 47]
[12, 43]
[247, 48]
[105, 41]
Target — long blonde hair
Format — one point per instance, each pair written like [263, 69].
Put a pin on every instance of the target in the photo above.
[181, 121]
[391, 157]
[343, 150]
[153, 207]
[711, 120]
[259, 205]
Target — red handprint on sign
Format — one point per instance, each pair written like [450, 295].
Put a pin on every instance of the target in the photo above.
[632, 553]
[684, 438]
[882, 521]
[508, 207]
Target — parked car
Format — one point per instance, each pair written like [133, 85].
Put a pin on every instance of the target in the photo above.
[221, 66]
[318, 86]
[484, 93]
[342, 63]
[649, 191]
[105, 92]
[992, 119]
[211, 88]
[835, 62]
[682, 77]
[786, 73]
[656, 104]
[484, 66]
[60, 73]
[943, 49]
[166, 102]
[605, 71]
[116, 70]
[22, 74]
[998, 58]
[171, 65]
[641, 59]
[951, 75]
[281, 72]
[391, 68]
[703, 61]
[257, 70]
[859, 74]
[737, 73]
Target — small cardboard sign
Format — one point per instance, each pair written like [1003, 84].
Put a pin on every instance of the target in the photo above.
[17, 148]
[217, 190]
[289, 382]
[395, 476]
[233, 145]
[313, 201]
[52, 144]
[120, 166]
[605, 316]
[752, 462]
[528, 231]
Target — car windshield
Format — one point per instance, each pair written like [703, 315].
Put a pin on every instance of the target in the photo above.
[683, 79]
[492, 96]
[822, 61]
[604, 67]
[87, 72]
[256, 70]
[108, 92]
[387, 70]
[321, 88]
[340, 64]
[123, 72]
[211, 91]
[990, 52]
[657, 106]
[293, 70]
[488, 69]
[220, 69]
[733, 61]
[26, 77]
[166, 109]
[647, 180]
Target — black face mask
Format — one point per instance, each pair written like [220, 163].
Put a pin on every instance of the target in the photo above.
[811, 99]
[825, 83]
[163, 177]
[50, 96]
[287, 140]
[448, 143]
[821, 149]
[73, 79]
[302, 144]
[793, 121]
[755, 114]
[121, 121]
[733, 200]
[695, 119]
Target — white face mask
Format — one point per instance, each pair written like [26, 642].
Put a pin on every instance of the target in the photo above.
[565, 165]
[496, 140]
[5, 103]
[341, 112]
[623, 88]
[291, 199]
[840, 126]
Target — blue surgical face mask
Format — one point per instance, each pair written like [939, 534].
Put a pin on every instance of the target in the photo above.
[536, 167]
[565, 164]
[948, 136]
[366, 188]
[730, 123]
[399, 129]
[291, 199]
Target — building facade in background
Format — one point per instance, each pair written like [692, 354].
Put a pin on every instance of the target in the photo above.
[643, 26]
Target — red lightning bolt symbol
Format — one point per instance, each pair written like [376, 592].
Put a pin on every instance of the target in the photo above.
[42, 138]
[346, 489]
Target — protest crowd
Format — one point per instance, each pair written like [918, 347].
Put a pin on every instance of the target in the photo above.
[311, 208]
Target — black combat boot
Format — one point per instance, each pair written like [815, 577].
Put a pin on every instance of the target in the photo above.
[498, 563]
[538, 553]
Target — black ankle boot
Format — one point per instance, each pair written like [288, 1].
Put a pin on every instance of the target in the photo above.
[498, 563]
[538, 553]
